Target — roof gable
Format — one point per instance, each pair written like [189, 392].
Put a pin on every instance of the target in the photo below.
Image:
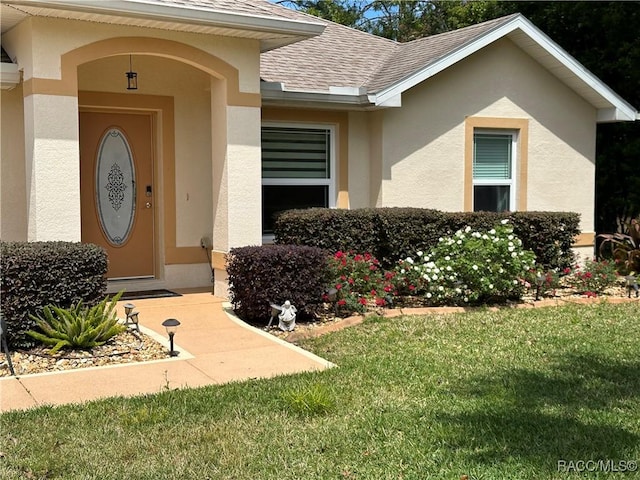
[344, 57]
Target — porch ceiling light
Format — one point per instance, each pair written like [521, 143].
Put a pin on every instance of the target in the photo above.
[132, 77]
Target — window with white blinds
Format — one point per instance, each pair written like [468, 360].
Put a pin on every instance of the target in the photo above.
[493, 171]
[295, 153]
[492, 156]
[297, 170]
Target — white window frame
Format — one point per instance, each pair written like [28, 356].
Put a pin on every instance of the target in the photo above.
[330, 182]
[512, 182]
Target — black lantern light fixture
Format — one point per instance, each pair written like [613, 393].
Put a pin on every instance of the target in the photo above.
[632, 284]
[132, 77]
[171, 324]
[539, 282]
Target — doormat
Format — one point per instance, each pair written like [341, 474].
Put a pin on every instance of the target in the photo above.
[148, 294]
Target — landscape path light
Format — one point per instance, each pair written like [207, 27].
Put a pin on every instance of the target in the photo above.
[632, 284]
[171, 324]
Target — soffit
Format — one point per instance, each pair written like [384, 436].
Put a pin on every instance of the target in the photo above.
[240, 18]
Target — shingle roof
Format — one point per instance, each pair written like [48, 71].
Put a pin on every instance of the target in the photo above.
[418, 54]
[250, 7]
[345, 57]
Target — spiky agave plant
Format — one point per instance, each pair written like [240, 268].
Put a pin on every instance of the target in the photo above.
[78, 326]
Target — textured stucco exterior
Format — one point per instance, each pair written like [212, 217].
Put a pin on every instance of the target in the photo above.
[203, 95]
[423, 141]
[13, 189]
[210, 175]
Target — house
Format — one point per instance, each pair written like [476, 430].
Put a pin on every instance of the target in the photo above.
[170, 131]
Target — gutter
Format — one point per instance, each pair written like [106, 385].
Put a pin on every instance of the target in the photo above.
[276, 94]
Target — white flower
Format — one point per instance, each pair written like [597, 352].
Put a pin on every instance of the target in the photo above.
[466, 299]
[501, 270]
[511, 248]
[491, 286]
[514, 254]
[492, 231]
[459, 242]
[475, 267]
[441, 288]
[458, 291]
[428, 294]
[467, 229]
[419, 253]
[485, 236]
[452, 277]
[447, 258]
[505, 221]
[441, 239]
[425, 276]
[410, 260]
[515, 282]
[435, 277]
[403, 271]
[449, 268]
[510, 237]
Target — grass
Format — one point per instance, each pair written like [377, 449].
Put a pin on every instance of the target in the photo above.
[487, 395]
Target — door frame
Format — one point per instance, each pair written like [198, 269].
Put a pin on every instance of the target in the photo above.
[99, 102]
[152, 117]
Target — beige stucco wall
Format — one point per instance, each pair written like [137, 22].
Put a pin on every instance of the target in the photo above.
[37, 44]
[423, 141]
[13, 193]
[216, 127]
[190, 89]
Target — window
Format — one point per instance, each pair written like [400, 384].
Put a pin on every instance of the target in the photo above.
[297, 170]
[494, 171]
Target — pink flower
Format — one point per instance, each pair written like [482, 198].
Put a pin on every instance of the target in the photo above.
[363, 301]
[342, 301]
[338, 286]
[380, 302]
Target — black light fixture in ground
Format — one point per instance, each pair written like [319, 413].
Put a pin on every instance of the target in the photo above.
[132, 77]
[171, 324]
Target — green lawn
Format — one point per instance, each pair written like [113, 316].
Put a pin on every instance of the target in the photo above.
[491, 395]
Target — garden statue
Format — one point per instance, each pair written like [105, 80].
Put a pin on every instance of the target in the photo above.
[287, 317]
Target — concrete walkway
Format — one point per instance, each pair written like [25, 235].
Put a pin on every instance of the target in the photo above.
[216, 347]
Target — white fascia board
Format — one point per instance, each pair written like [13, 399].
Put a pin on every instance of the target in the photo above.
[272, 94]
[624, 110]
[181, 14]
[9, 75]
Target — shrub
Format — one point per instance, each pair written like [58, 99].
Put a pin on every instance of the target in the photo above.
[392, 234]
[358, 280]
[593, 278]
[470, 267]
[624, 248]
[543, 283]
[78, 326]
[47, 273]
[261, 275]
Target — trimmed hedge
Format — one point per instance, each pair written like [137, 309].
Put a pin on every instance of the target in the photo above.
[261, 275]
[392, 234]
[37, 274]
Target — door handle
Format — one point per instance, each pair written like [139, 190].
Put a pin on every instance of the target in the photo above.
[147, 205]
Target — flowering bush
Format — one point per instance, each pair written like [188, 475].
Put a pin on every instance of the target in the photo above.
[359, 281]
[592, 278]
[541, 283]
[469, 267]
